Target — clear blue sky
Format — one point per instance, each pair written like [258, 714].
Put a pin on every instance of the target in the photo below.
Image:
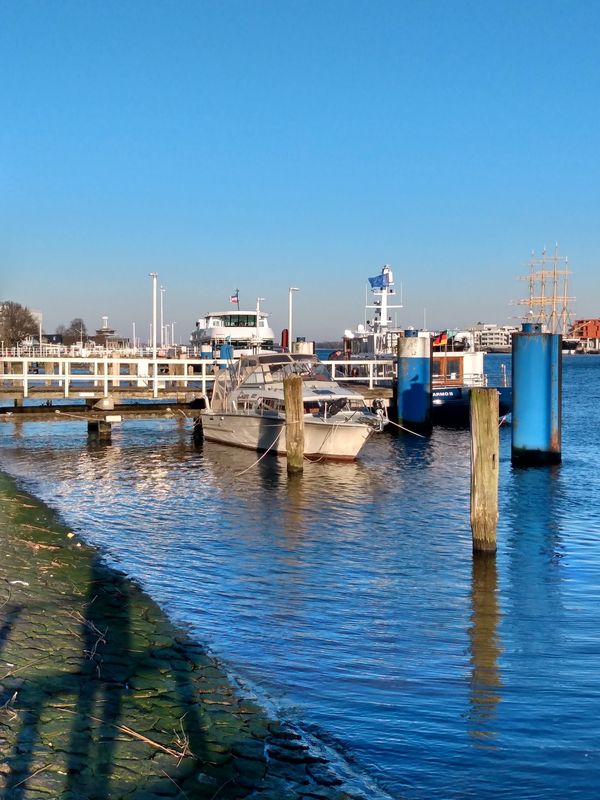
[262, 145]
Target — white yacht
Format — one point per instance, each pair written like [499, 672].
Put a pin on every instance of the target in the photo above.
[247, 408]
[246, 331]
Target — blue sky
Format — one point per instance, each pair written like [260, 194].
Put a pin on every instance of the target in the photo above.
[262, 145]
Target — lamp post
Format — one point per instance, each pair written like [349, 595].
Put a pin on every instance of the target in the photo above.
[154, 276]
[162, 315]
[290, 292]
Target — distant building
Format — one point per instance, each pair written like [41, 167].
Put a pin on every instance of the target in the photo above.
[588, 333]
[107, 337]
[493, 338]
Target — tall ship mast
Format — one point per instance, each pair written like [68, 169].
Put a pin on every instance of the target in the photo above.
[548, 300]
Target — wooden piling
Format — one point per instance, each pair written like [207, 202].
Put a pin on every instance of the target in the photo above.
[198, 432]
[99, 430]
[294, 423]
[484, 468]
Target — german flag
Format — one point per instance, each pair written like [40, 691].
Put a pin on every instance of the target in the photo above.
[441, 340]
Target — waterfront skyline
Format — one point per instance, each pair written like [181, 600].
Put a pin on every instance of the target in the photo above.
[266, 145]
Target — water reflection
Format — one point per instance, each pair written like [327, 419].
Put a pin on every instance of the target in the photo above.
[485, 680]
[350, 596]
[534, 506]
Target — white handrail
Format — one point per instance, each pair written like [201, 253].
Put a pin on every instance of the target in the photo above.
[79, 376]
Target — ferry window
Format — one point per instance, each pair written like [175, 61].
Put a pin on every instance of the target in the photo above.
[239, 320]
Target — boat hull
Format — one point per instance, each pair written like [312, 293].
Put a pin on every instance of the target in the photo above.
[451, 404]
[322, 440]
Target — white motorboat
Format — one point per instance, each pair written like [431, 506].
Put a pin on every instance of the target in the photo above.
[247, 408]
[245, 331]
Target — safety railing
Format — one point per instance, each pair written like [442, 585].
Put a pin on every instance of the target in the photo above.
[97, 377]
[78, 377]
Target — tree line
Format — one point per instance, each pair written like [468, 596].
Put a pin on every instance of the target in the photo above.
[17, 323]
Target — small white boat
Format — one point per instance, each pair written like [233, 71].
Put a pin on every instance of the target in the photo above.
[247, 408]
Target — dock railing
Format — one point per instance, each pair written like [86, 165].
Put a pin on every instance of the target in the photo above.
[92, 377]
[80, 377]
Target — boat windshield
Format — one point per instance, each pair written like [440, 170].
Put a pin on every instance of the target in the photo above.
[276, 368]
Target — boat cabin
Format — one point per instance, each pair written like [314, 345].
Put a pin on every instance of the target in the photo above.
[457, 369]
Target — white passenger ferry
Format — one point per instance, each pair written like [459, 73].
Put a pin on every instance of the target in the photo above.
[246, 332]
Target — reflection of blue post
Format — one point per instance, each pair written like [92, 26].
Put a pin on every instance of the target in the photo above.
[414, 381]
[537, 389]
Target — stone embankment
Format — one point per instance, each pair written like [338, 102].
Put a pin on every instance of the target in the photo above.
[102, 697]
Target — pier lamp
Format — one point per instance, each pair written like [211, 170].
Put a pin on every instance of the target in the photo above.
[162, 315]
[291, 290]
[154, 276]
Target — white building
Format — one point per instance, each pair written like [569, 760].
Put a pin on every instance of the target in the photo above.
[493, 338]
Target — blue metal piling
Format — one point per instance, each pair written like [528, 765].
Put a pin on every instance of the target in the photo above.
[226, 352]
[537, 391]
[413, 388]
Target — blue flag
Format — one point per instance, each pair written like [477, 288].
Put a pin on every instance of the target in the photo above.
[380, 281]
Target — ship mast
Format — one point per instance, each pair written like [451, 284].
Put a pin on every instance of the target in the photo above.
[548, 301]
[382, 289]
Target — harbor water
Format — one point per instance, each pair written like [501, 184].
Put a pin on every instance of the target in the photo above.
[348, 598]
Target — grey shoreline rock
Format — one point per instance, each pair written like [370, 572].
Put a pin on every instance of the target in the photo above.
[101, 696]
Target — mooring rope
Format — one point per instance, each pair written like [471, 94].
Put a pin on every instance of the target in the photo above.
[263, 455]
[408, 430]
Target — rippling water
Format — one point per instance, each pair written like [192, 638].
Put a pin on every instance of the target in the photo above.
[350, 598]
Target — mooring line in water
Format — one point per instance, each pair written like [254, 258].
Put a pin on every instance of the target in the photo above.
[237, 474]
[408, 430]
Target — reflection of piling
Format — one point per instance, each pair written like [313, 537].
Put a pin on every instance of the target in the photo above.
[485, 649]
[484, 468]
[294, 422]
[537, 388]
[414, 381]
